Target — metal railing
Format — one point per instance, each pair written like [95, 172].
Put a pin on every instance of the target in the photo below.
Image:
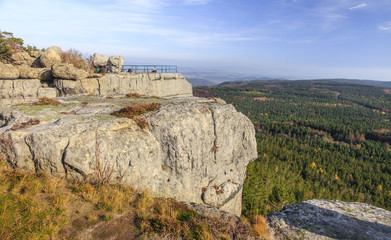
[150, 68]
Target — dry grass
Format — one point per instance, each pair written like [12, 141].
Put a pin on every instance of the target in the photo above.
[141, 122]
[259, 224]
[30, 122]
[135, 110]
[133, 95]
[36, 206]
[47, 101]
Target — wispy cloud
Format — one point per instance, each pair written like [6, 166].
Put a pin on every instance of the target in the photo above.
[362, 5]
[197, 2]
[386, 27]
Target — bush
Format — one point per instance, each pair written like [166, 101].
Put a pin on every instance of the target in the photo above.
[74, 57]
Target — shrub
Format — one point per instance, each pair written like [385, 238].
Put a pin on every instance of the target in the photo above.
[47, 101]
[74, 57]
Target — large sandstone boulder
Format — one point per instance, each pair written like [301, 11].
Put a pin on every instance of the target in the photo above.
[22, 58]
[8, 71]
[27, 72]
[324, 219]
[50, 58]
[57, 49]
[99, 60]
[191, 147]
[116, 63]
[68, 71]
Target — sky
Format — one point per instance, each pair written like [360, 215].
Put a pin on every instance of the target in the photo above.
[277, 38]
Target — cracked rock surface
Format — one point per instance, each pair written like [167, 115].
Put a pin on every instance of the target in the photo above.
[324, 219]
[193, 150]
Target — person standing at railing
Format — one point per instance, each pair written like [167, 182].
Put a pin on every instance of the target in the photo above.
[129, 70]
[154, 70]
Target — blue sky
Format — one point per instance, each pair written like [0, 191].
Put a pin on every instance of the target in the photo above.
[289, 38]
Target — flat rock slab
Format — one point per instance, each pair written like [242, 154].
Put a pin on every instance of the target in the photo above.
[323, 219]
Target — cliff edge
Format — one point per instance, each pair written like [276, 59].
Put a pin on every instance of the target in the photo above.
[192, 150]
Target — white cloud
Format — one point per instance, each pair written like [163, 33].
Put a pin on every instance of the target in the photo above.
[362, 5]
[385, 27]
[197, 2]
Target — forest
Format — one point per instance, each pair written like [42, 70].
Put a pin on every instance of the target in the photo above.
[320, 139]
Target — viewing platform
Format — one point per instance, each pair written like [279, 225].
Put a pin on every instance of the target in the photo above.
[150, 68]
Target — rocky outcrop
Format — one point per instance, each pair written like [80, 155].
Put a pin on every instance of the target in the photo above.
[68, 71]
[50, 58]
[22, 58]
[99, 60]
[193, 150]
[16, 91]
[8, 71]
[27, 72]
[116, 63]
[323, 219]
[147, 84]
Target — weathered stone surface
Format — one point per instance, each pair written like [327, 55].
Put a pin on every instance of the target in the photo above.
[148, 84]
[27, 72]
[57, 49]
[323, 219]
[22, 58]
[78, 87]
[21, 90]
[35, 54]
[99, 60]
[175, 157]
[7, 71]
[116, 63]
[50, 58]
[68, 71]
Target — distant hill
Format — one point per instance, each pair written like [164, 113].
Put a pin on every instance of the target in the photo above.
[253, 83]
[201, 82]
[215, 78]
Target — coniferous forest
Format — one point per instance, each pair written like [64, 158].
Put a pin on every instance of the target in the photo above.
[322, 139]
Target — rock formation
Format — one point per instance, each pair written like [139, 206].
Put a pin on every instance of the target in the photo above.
[68, 71]
[99, 60]
[323, 219]
[116, 63]
[50, 58]
[148, 84]
[193, 150]
[8, 71]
